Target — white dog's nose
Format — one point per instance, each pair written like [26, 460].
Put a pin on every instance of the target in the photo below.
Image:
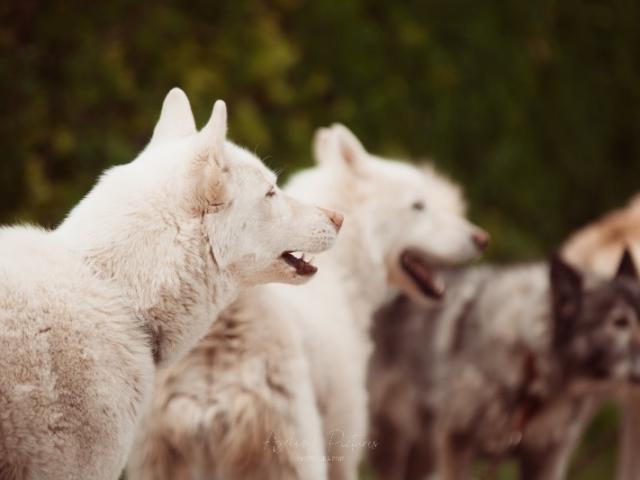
[335, 217]
[481, 239]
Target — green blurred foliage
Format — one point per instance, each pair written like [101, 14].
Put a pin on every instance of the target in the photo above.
[533, 105]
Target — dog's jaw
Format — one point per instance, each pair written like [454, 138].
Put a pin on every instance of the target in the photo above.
[416, 267]
[302, 266]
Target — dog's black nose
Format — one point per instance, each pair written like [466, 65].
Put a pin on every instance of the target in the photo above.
[481, 239]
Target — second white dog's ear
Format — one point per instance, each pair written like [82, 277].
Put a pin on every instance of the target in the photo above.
[350, 150]
[339, 146]
[176, 119]
[325, 147]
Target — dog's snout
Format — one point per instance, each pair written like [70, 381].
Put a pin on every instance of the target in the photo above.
[335, 217]
[481, 239]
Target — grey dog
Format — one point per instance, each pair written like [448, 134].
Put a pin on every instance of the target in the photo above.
[506, 366]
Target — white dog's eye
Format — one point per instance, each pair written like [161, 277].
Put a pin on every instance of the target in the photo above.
[418, 205]
[622, 322]
[215, 207]
[271, 192]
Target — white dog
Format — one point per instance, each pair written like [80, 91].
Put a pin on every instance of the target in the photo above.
[276, 390]
[134, 276]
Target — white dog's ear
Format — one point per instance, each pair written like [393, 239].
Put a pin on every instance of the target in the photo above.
[215, 134]
[210, 163]
[351, 151]
[176, 119]
[325, 147]
[338, 146]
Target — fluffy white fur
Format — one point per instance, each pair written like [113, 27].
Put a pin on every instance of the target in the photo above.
[137, 272]
[276, 390]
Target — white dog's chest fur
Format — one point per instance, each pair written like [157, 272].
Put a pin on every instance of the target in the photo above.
[336, 345]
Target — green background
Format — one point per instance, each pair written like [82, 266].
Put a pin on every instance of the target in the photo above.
[533, 105]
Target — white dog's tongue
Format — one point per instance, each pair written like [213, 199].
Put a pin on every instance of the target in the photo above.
[416, 266]
[300, 264]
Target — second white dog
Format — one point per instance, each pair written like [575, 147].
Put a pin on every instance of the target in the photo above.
[277, 389]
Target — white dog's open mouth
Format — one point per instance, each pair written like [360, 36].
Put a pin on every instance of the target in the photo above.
[416, 266]
[296, 260]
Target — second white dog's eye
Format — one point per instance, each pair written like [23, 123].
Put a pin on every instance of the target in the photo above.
[622, 322]
[418, 205]
[271, 192]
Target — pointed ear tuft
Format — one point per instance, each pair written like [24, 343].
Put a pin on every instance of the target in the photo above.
[215, 132]
[351, 150]
[176, 119]
[566, 298]
[325, 146]
[210, 163]
[627, 267]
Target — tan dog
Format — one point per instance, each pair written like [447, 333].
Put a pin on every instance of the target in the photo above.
[598, 246]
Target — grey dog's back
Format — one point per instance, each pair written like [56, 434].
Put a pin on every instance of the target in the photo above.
[493, 304]
[483, 304]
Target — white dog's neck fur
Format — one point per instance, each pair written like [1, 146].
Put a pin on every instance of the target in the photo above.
[137, 228]
[355, 265]
[354, 269]
[363, 266]
[165, 268]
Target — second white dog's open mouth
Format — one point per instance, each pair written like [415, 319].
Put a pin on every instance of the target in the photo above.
[415, 265]
[297, 261]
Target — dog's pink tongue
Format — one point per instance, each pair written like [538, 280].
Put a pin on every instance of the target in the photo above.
[419, 271]
[306, 269]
